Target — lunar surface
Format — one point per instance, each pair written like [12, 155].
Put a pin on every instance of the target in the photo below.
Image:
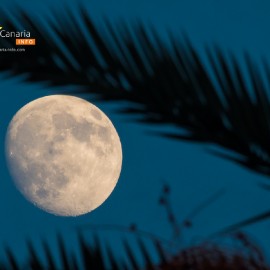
[63, 154]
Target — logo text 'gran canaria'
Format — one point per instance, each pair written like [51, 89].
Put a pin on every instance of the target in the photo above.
[23, 34]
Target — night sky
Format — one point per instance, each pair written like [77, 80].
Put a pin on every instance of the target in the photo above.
[148, 160]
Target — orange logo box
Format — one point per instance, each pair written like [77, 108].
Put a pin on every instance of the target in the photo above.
[25, 41]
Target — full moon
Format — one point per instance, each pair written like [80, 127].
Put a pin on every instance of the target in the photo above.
[63, 154]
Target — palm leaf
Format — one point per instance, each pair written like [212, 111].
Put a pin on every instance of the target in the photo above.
[34, 261]
[148, 261]
[49, 256]
[13, 264]
[115, 265]
[64, 256]
[134, 264]
[164, 84]
[247, 222]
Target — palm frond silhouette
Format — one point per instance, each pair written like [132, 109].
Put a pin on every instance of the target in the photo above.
[165, 84]
[204, 256]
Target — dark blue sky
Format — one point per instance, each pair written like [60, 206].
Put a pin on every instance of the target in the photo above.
[148, 160]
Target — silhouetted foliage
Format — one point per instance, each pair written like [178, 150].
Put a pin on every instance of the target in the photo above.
[204, 256]
[214, 257]
[240, 253]
[249, 221]
[165, 84]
